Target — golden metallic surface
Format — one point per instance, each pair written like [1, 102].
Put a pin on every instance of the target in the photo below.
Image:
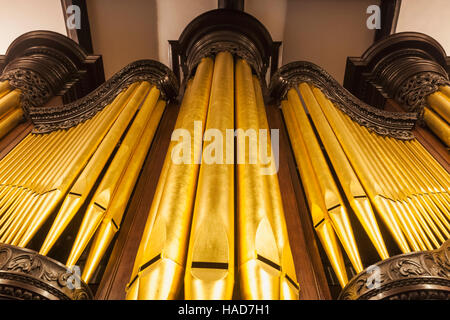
[142, 255]
[85, 182]
[289, 288]
[333, 201]
[210, 260]
[258, 254]
[366, 173]
[264, 266]
[321, 221]
[9, 101]
[10, 120]
[348, 179]
[105, 194]
[110, 224]
[4, 87]
[161, 276]
[440, 103]
[437, 125]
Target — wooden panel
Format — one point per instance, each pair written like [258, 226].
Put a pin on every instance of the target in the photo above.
[308, 264]
[120, 265]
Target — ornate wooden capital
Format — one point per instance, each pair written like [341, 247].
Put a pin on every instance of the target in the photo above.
[43, 64]
[418, 275]
[405, 66]
[27, 275]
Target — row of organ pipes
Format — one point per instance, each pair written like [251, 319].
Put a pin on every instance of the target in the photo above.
[218, 230]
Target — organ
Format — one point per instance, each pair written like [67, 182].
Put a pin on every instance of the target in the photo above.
[342, 184]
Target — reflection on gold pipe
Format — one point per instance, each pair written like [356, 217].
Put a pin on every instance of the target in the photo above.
[333, 201]
[161, 276]
[440, 103]
[351, 186]
[289, 288]
[110, 224]
[9, 101]
[85, 182]
[318, 211]
[437, 125]
[210, 261]
[105, 194]
[144, 254]
[10, 121]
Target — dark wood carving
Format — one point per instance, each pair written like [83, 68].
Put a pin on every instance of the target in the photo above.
[394, 124]
[49, 118]
[390, 10]
[43, 64]
[27, 275]
[405, 66]
[412, 276]
[224, 30]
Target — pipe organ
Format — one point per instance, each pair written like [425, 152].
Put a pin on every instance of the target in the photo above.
[222, 217]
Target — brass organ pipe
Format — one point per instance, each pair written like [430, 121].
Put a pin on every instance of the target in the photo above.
[4, 86]
[333, 201]
[353, 189]
[393, 193]
[105, 192]
[110, 224]
[365, 172]
[85, 182]
[440, 103]
[143, 254]
[210, 260]
[168, 239]
[258, 253]
[289, 288]
[402, 179]
[61, 185]
[437, 125]
[319, 214]
[404, 160]
[9, 101]
[10, 121]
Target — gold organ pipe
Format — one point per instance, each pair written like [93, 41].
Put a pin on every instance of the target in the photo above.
[9, 101]
[10, 121]
[210, 261]
[110, 224]
[161, 276]
[437, 125]
[394, 194]
[289, 288]
[144, 253]
[258, 257]
[319, 214]
[353, 189]
[366, 172]
[92, 137]
[4, 87]
[333, 201]
[85, 182]
[440, 103]
[105, 193]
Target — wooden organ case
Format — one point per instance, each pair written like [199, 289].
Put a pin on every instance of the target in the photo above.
[111, 193]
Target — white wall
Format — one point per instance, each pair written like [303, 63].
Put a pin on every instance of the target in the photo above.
[431, 17]
[20, 16]
[326, 32]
